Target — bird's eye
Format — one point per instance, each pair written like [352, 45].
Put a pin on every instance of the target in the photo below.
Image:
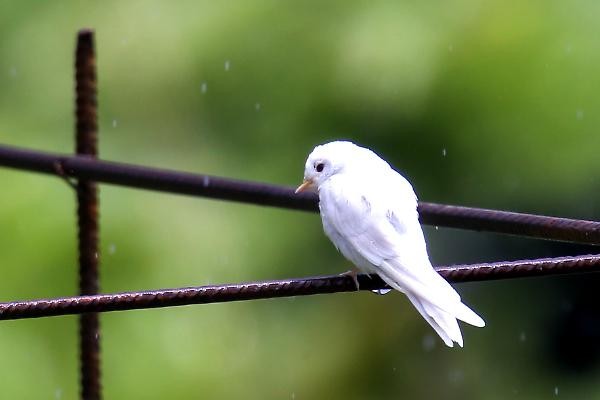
[319, 167]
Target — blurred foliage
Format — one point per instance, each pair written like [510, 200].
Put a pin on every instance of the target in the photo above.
[485, 103]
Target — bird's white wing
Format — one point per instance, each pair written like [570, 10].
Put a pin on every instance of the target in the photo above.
[378, 216]
[379, 220]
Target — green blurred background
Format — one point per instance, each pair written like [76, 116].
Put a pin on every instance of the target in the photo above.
[481, 103]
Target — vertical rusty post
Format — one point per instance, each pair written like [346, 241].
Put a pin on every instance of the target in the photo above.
[87, 213]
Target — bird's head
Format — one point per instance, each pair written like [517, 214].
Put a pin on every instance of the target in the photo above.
[333, 158]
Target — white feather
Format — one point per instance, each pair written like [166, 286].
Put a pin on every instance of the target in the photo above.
[369, 211]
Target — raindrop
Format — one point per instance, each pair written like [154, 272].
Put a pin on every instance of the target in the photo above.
[257, 106]
[437, 228]
[225, 260]
[12, 72]
[381, 292]
[579, 115]
[203, 87]
[293, 395]
[114, 123]
[227, 65]
[522, 337]
[456, 376]
[450, 48]
[444, 152]
[428, 342]
[112, 249]
[556, 390]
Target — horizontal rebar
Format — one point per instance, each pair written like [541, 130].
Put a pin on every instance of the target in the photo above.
[538, 226]
[283, 288]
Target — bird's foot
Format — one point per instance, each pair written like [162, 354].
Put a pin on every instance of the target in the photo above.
[353, 273]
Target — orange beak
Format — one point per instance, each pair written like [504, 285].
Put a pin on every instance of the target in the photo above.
[305, 185]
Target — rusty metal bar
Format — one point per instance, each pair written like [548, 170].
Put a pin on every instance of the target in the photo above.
[87, 213]
[537, 226]
[507, 222]
[283, 288]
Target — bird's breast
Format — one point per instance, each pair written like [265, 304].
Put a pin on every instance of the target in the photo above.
[330, 202]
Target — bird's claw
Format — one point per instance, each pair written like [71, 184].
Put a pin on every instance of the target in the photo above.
[353, 273]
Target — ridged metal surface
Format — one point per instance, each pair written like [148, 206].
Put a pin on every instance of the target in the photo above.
[521, 269]
[87, 213]
[283, 288]
[537, 226]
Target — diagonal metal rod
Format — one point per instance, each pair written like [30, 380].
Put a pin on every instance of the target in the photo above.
[283, 288]
[87, 213]
[537, 226]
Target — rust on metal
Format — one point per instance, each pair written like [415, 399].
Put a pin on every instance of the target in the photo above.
[142, 177]
[87, 212]
[284, 288]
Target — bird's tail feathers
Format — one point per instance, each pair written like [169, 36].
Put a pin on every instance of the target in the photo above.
[436, 300]
[436, 291]
[467, 315]
[439, 328]
[446, 321]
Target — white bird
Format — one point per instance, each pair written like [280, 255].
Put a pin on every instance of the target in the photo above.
[369, 211]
